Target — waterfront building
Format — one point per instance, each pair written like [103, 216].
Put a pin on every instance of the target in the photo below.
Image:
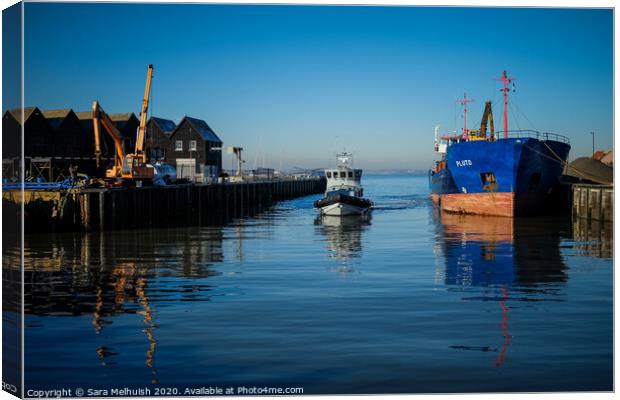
[39, 137]
[195, 150]
[127, 124]
[68, 134]
[158, 131]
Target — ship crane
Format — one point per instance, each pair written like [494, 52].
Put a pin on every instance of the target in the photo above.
[487, 118]
[130, 167]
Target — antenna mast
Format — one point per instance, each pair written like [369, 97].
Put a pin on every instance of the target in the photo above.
[464, 102]
[506, 81]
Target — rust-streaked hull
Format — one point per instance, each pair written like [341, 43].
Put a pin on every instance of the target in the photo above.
[492, 203]
[498, 204]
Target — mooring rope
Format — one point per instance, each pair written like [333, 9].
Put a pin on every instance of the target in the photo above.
[563, 162]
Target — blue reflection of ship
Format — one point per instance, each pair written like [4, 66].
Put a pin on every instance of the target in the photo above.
[478, 259]
[503, 256]
[494, 251]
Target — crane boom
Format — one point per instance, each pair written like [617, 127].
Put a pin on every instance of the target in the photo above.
[487, 116]
[101, 118]
[126, 166]
[491, 122]
[131, 167]
[139, 150]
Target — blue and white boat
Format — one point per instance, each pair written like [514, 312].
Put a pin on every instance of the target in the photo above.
[344, 192]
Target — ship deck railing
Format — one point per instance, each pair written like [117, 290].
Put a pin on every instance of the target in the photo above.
[533, 134]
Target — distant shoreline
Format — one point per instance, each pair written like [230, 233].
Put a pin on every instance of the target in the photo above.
[414, 172]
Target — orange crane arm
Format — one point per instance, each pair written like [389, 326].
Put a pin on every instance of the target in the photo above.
[143, 114]
[101, 118]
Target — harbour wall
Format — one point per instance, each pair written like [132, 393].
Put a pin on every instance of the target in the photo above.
[593, 202]
[93, 209]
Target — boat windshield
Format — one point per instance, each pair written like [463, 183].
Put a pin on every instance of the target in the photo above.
[337, 191]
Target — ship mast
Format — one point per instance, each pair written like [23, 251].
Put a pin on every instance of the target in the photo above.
[506, 81]
[464, 102]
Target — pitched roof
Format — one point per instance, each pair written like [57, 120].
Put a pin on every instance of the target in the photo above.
[119, 119]
[86, 120]
[201, 127]
[608, 158]
[122, 117]
[166, 125]
[55, 117]
[56, 113]
[82, 115]
[17, 113]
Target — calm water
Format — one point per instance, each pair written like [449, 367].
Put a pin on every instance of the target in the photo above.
[407, 301]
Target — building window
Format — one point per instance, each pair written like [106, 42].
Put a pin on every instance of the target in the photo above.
[179, 145]
[192, 145]
[329, 174]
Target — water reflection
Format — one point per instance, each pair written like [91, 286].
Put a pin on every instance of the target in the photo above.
[491, 251]
[343, 236]
[107, 274]
[595, 238]
[509, 260]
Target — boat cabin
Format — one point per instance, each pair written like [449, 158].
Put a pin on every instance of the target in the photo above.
[342, 175]
[343, 179]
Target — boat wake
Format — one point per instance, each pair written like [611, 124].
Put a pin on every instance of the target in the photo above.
[389, 203]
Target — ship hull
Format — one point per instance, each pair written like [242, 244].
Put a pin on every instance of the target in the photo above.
[342, 210]
[342, 205]
[508, 177]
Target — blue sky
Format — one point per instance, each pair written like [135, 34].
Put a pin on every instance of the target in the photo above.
[295, 84]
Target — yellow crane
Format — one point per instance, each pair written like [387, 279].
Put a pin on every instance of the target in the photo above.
[131, 166]
[487, 116]
[139, 151]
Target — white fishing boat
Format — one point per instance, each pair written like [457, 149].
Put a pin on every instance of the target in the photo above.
[344, 193]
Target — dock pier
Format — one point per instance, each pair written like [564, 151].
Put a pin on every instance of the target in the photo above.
[593, 202]
[97, 209]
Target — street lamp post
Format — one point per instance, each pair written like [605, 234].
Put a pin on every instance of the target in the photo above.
[592, 133]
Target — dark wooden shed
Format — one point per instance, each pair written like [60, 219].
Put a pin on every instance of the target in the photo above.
[194, 144]
[38, 134]
[68, 134]
[158, 131]
[11, 136]
[107, 144]
[127, 124]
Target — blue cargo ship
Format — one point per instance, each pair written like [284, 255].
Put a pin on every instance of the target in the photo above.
[506, 173]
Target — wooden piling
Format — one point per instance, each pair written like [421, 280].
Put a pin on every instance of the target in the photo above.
[593, 202]
[175, 205]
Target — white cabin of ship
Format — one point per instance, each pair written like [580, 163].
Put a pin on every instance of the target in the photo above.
[343, 179]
